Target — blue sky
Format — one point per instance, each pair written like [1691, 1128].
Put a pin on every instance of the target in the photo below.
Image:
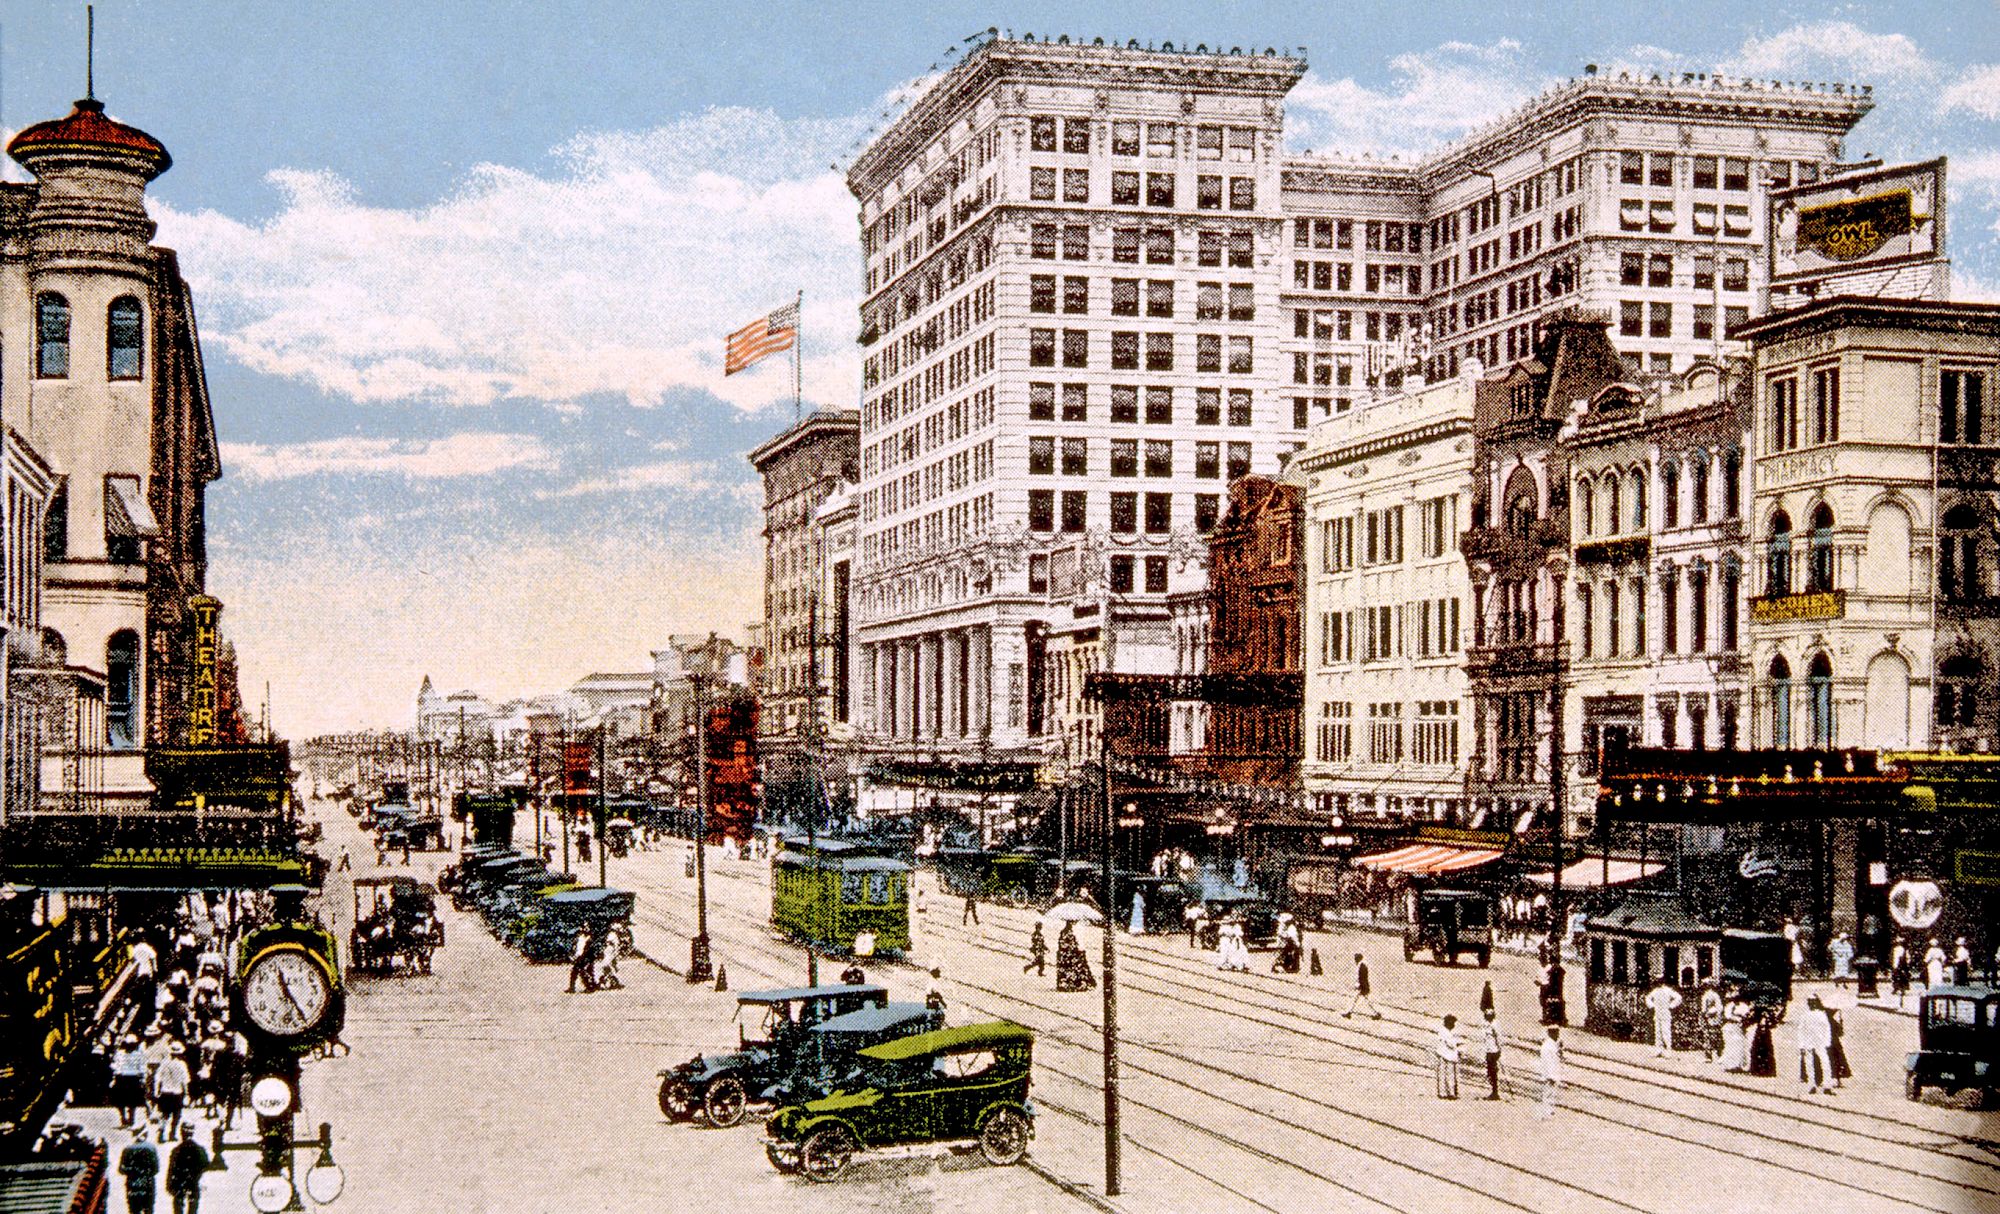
[463, 270]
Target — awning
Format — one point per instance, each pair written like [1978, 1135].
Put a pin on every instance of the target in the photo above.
[1591, 873]
[1423, 859]
[126, 512]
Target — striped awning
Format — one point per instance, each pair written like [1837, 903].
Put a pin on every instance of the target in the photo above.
[1594, 872]
[1422, 859]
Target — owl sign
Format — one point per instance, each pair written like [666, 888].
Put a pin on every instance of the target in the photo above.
[1916, 904]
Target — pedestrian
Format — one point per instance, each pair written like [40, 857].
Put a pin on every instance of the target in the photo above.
[139, 1164]
[1193, 916]
[128, 1078]
[1961, 962]
[1791, 933]
[1072, 967]
[1486, 996]
[1842, 953]
[1735, 1032]
[580, 956]
[1815, 1043]
[1933, 964]
[1711, 1020]
[346, 862]
[971, 912]
[1137, 924]
[1555, 1009]
[1290, 946]
[934, 991]
[1664, 1000]
[1552, 1069]
[1447, 1049]
[1038, 952]
[1491, 1042]
[145, 978]
[1836, 1050]
[1899, 970]
[1993, 967]
[187, 1165]
[1763, 1048]
[1361, 990]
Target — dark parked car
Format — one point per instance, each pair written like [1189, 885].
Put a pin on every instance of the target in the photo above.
[1760, 965]
[1451, 923]
[551, 931]
[827, 1056]
[953, 1085]
[1958, 1043]
[719, 1086]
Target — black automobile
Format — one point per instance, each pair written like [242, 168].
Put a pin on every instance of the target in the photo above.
[829, 1053]
[1958, 1044]
[1759, 965]
[1451, 923]
[1257, 917]
[718, 1087]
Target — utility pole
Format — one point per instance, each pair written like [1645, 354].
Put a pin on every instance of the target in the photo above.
[1111, 1133]
[700, 969]
[603, 778]
[1558, 791]
[562, 788]
[812, 754]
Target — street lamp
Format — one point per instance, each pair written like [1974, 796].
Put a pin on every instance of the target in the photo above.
[1107, 906]
[273, 1190]
[700, 968]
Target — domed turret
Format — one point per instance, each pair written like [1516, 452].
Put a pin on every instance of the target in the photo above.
[87, 135]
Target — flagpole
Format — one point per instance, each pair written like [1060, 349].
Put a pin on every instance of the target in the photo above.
[798, 340]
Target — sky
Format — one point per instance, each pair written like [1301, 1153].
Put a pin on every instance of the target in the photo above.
[463, 271]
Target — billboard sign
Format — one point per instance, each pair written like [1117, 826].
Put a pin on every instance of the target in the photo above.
[1858, 222]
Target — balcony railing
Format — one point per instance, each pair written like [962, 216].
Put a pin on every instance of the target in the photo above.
[1503, 661]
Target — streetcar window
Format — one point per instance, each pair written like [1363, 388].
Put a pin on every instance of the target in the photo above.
[1642, 962]
[878, 887]
[1597, 960]
[1618, 950]
[850, 887]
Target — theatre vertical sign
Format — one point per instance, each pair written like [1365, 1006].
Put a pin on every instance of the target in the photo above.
[206, 613]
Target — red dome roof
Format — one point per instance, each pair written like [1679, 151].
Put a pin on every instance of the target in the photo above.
[87, 127]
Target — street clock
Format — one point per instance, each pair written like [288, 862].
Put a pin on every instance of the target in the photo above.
[289, 993]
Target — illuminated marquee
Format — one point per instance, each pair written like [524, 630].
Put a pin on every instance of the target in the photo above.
[207, 615]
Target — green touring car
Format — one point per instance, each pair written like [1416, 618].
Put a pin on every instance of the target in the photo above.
[966, 1084]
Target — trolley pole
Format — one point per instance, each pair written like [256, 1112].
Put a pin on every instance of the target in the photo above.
[1557, 1010]
[603, 780]
[812, 753]
[1111, 1133]
[700, 969]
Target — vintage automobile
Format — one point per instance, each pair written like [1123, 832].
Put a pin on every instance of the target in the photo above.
[1759, 964]
[827, 1056]
[1958, 1044]
[1259, 919]
[1451, 923]
[954, 1085]
[717, 1087]
[396, 927]
[552, 932]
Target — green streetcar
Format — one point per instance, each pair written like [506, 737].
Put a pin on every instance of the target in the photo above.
[831, 892]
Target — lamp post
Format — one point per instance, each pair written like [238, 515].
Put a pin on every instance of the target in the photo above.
[700, 969]
[1557, 1009]
[275, 1190]
[1111, 1131]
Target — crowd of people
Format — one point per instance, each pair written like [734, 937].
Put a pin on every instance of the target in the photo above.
[593, 959]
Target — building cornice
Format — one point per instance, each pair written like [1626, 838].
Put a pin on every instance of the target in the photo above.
[1310, 461]
[823, 423]
[1849, 312]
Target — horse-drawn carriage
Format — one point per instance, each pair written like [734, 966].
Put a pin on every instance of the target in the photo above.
[396, 926]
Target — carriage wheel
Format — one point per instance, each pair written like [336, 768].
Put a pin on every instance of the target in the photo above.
[676, 1098]
[827, 1153]
[1004, 1137]
[723, 1102]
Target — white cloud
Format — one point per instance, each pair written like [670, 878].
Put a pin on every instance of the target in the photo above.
[1434, 97]
[685, 476]
[457, 455]
[1976, 90]
[1832, 46]
[617, 272]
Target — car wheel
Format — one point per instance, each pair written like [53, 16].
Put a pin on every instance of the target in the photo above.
[723, 1102]
[785, 1161]
[676, 1098]
[1004, 1137]
[826, 1153]
[1913, 1087]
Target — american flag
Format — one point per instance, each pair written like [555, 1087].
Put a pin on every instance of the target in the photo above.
[765, 335]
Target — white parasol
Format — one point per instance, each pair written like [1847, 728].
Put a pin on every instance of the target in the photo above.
[1072, 912]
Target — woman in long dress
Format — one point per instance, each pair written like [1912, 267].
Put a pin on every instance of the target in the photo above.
[1072, 968]
[1735, 1041]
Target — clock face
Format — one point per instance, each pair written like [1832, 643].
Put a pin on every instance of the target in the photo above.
[286, 993]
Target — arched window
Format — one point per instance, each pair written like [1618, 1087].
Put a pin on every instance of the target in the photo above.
[1670, 495]
[1523, 503]
[1958, 691]
[1614, 522]
[1586, 506]
[1637, 477]
[1781, 703]
[124, 339]
[1732, 483]
[1959, 575]
[51, 335]
[1778, 556]
[1820, 570]
[1698, 487]
[121, 690]
[1819, 689]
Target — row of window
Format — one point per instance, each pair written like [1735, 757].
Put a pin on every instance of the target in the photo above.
[1378, 236]
[1637, 319]
[1069, 511]
[1213, 246]
[1158, 350]
[1160, 189]
[1657, 270]
[1427, 628]
[946, 528]
[1614, 502]
[124, 337]
[1159, 457]
[1660, 215]
[1375, 537]
[1161, 139]
[1433, 732]
[1730, 173]
[947, 425]
[1073, 291]
[1376, 279]
[1611, 616]
[1125, 401]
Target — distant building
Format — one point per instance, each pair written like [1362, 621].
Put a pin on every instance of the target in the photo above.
[1256, 554]
[106, 383]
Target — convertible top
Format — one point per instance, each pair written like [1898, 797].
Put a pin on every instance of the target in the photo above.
[872, 1019]
[965, 1036]
[790, 993]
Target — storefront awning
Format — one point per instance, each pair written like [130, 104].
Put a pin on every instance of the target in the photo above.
[1423, 859]
[126, 512]
[1595, 872]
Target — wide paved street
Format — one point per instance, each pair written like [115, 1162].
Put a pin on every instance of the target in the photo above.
[1243, 1092]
